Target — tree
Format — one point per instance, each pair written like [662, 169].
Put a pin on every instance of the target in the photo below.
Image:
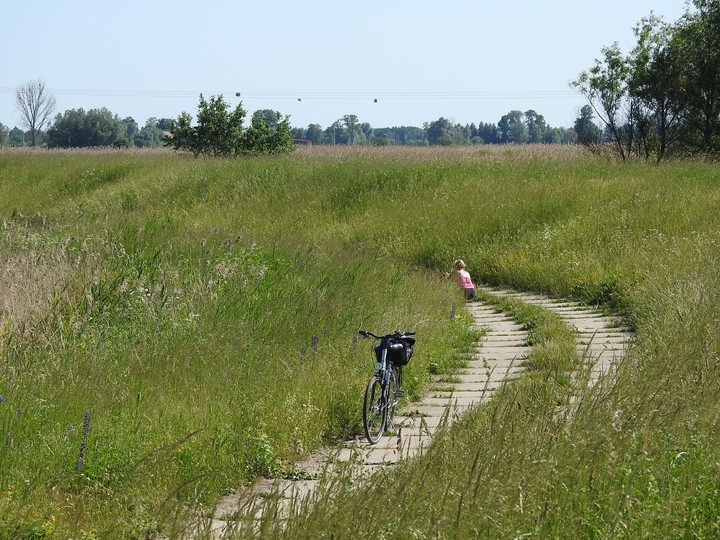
[4, 135]
[220, 131]
[351, 123]
[512, 128]
[536, 126]
[605, 87]
[585, 128]
[35, 105]
[314, 133]
[336, 134]
[77, 128]
[16, 137]
[438, 131]
[150, 134]
[697, 41]
[131, 131]
[656, 82]
[267, 137]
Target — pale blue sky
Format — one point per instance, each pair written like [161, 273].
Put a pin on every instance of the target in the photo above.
[466, 60]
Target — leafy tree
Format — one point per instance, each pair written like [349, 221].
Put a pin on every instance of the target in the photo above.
[131, 130]
[264, 137]
[605, 87]
[367, 130]
[77, 129]
[585, 128]
[697, 42]
[351, 123]
[150, 134]
[166, 124]
[657, 83]
[336, 133]
[536, 126]
[314, 133]
[16, 137]
[438, 132]
[35, 105]
[512, 128]
[268, 115]
[4, 135]
[220, 132]
[488, 132]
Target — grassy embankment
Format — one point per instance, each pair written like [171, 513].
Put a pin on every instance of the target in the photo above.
[198, 316]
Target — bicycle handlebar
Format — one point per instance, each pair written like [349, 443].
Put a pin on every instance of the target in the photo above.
[397, 334]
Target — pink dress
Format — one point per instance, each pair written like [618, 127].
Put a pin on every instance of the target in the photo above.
[466, 284]
[464, 280]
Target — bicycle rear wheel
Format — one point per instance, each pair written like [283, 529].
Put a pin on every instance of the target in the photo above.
[374, 411]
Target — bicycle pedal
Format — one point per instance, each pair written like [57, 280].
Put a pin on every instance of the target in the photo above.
[400, 393]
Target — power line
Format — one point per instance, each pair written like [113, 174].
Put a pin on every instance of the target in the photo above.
[320, 95]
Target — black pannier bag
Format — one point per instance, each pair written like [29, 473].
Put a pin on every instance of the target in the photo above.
[399, 351]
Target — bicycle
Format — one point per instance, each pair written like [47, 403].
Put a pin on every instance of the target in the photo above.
[383, 391]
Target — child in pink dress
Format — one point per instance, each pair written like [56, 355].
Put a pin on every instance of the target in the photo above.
[464, 281]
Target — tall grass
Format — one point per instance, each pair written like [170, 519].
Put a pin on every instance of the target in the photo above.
[203, 312]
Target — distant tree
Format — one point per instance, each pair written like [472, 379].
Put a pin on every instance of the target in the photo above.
[367, 131]
[35, 105]
[78, 129]
[68, 130]
[131, 131]
[16, 137]
[150, 135]
[4, 135]
[512, 128]
[536, 126]
[220, 131]
[314, 133]
[488, 133]
[438, 131]
[269, 116]
[351, 123]
[588, 133]
[166, 124]
[265, 137]
[336, 133]
[413, 136]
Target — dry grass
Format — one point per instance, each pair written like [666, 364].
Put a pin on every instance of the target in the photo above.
[32, 271]
[454, 153]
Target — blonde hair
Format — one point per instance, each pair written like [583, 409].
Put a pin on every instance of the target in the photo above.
[459, 264]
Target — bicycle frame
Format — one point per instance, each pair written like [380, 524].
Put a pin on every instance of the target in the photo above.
[380, 403]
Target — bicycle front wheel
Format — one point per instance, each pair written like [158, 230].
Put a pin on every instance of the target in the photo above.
[374, 410]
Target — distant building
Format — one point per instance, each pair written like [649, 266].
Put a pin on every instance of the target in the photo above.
[302, 142]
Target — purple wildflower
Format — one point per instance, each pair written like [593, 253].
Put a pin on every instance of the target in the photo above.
[315, 341]
[83, 445]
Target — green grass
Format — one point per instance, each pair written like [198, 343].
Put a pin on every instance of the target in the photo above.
[178, 301]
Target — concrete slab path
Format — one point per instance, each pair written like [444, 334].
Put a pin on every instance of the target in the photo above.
[498, 358]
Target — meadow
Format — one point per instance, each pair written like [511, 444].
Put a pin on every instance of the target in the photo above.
[171, 327]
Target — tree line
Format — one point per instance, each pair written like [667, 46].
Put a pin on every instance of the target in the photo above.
[77, 128]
